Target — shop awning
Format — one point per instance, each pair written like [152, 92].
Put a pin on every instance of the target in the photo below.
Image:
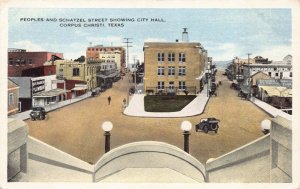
[79, 88]
[277, 91]
[107, 76]
[51, 93]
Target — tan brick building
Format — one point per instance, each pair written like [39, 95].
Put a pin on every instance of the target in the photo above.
[172, 67]
[80, 71]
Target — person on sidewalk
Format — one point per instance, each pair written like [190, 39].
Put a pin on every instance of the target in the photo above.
[124, 102]
[109, 99]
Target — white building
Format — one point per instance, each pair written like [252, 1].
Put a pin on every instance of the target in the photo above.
[276, 70]
[111, 56]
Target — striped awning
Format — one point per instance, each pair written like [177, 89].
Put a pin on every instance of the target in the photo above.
[277, 91]
[51, 93]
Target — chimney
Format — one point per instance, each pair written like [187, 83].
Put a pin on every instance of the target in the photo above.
[185, 36]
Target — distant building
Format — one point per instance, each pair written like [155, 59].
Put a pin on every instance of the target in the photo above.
[108, 54]
[30, 64]
[174, 66]
[13, 97]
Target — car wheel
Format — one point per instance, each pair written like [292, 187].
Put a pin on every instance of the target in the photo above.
[41, 117]
[205, 129]
[33, 119]
[214, 127]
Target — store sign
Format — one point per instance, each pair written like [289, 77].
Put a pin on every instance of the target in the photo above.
[38, 86]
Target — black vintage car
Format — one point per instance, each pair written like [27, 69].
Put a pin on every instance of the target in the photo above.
[38, 113]
[208, 124]
[213, 89]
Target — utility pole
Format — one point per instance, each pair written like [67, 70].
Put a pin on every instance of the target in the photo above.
[135, 69]
[127, 45]
[249, 79]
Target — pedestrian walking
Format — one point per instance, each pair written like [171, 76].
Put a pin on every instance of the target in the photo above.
[109, 99]
[124, 101]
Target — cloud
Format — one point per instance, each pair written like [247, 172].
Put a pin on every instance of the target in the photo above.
[28, 45]
[275, 52]
[106, 41]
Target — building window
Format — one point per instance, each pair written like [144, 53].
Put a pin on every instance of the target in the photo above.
[22, 61]
[171, 57]
[270, 74]
[171, 70]
[29, 61]
[76, 72]
[181, 85]
[181, 70]
[18, 61]
[160, 57]
[160, 70]
[291, 74]
[276, 74]
[11, 61]
[11, 99]
[160, 85]
[181, 57]
[171, 86]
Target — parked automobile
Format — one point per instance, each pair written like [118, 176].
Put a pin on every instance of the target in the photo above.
[235, 86]
[38, 113]
[208, 124]
[131, 90]
[213, 89]
[96, 91]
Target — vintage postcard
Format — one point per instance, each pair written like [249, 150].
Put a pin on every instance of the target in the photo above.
[130, 94]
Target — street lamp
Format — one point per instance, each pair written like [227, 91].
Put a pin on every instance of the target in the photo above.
[107, 127]
[265, 126]
[186, 127]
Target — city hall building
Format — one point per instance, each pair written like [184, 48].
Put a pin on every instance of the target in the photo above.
[173, 67]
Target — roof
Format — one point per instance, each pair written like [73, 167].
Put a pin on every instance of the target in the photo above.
[79, 87]
[51, 93]
[269, 65]
[166, 44]
[25, 86]
[275, 82]
[12, 84]
[260, 72]
[277, 91]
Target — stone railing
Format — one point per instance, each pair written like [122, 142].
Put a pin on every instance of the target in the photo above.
[149, 155]
[267, 159]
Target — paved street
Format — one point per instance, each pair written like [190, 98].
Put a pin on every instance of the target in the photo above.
[76, 129]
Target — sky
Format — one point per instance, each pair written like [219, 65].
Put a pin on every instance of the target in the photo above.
[225, 33]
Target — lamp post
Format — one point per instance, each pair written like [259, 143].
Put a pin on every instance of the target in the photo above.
[265, 126]
[107, 127]
[186, 127]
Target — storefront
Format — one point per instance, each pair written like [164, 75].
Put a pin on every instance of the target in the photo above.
[79, 90]
[45, 98]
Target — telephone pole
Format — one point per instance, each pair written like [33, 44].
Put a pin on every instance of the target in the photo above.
[127, 45]
[249, 79]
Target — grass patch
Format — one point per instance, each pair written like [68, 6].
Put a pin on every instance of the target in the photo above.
[155, 103]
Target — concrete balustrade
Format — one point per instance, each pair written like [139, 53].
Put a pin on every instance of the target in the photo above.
[267, 159]
[147, 155]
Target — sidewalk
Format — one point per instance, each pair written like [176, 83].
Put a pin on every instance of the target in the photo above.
[270, 109]
[196, 107]
[25, 115]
